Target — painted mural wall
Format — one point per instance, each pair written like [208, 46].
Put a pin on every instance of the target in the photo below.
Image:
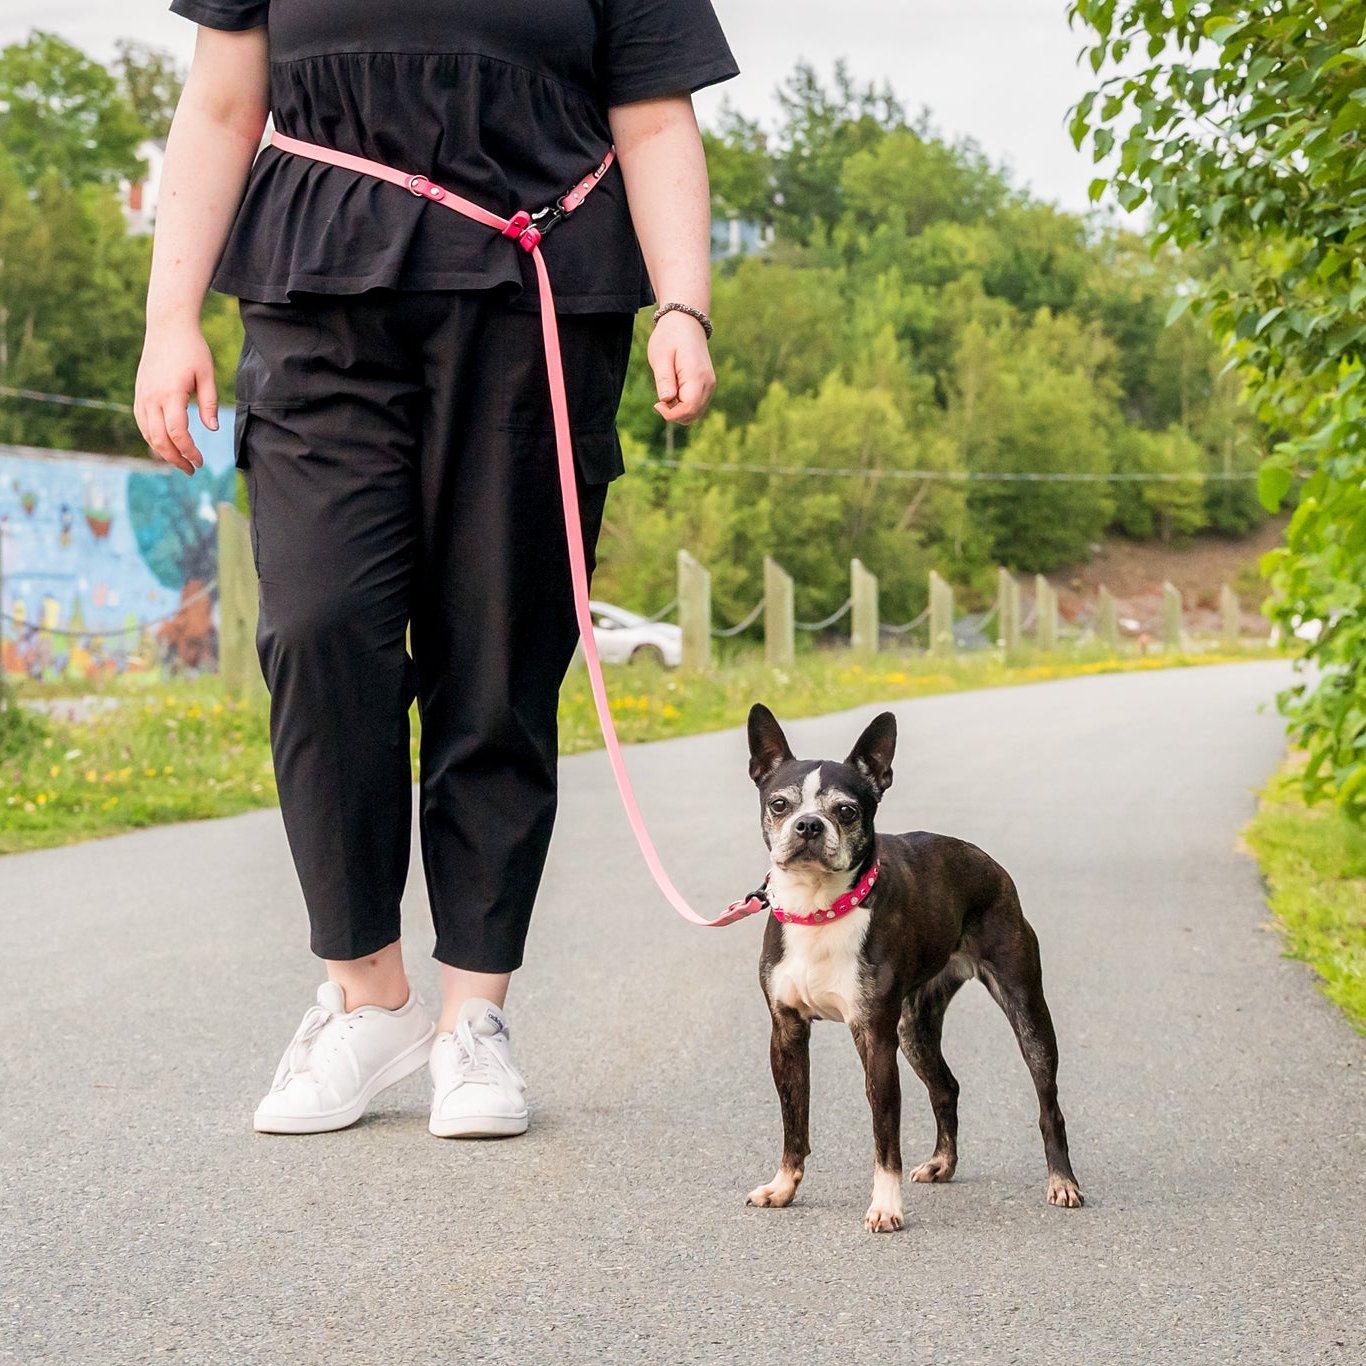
[109, 565]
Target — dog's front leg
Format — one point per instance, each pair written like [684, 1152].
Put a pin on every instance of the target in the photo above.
[789, 1053]
[876, 1042]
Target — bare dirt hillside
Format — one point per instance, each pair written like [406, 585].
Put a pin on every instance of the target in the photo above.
[1135, 572]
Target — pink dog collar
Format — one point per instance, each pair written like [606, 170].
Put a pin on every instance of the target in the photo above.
[851, 900]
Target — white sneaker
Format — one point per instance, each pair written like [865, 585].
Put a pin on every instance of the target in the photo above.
[338, 1061]
[477, 1092]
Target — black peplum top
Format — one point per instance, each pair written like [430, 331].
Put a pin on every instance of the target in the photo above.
[502, 101]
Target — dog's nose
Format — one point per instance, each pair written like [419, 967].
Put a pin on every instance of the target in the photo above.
[808, 827]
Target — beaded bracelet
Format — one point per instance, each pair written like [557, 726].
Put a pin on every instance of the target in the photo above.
[690, 311]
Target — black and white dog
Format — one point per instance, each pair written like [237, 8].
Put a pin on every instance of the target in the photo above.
[880, 931]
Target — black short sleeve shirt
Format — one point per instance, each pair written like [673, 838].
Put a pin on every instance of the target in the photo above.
[502, 101]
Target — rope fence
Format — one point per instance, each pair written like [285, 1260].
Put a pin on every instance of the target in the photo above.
[825, 621]
[725, 632]
[906, 626]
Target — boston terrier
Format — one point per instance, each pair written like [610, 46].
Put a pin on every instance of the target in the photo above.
[880, 931]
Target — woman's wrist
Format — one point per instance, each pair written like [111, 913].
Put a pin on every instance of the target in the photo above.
[698, 315]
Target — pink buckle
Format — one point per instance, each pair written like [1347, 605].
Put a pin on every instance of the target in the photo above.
[424, 189]
[530, 239]
[517, 224]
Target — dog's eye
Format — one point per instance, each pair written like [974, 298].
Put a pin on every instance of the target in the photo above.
[847, 812]
[778, 805]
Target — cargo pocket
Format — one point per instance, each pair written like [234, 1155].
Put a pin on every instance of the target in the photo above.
[598, 456]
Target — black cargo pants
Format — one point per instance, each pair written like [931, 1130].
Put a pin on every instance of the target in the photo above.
[399, 457]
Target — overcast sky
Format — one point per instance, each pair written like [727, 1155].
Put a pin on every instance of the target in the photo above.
[1000, 71]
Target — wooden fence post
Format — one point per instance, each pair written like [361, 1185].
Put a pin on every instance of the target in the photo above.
[694, 611]
[1107, 619]
[1045, 615]
[1171, 617]
[238, 605]
[1008, 610]
[863, 631]
[779, 631]
[941, 615]
[1231, 610]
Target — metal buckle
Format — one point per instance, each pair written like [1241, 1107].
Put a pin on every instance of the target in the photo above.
[549, 217]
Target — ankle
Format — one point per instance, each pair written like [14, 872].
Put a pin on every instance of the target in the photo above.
[376, 980]
[386, 998]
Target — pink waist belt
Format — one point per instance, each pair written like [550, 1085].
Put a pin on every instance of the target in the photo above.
[527, 230]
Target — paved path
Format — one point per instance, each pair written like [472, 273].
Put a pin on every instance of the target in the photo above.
[1214, 1098]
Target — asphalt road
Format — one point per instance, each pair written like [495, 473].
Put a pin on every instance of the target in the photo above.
[1214, 1099]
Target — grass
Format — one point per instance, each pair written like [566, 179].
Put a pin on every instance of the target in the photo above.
[176, 751]
[1314, 862]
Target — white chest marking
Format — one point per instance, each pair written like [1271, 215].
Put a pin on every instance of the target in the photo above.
[819, 974]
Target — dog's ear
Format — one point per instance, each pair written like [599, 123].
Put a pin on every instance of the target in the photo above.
[872, 752]
[767, 743]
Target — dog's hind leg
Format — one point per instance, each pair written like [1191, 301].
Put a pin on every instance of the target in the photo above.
[921, 1033]
[1009, 966]
[789, 1053]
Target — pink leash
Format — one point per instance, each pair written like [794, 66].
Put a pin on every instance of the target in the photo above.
[527, 230]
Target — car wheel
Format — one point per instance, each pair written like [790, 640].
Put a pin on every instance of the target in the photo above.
[648, 654]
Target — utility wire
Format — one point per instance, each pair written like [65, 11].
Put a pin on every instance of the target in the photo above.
[87, 634]
[963, 476]
[66, 400]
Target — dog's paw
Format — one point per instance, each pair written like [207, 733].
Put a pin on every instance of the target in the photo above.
[880, 1219]
[1063, 1192]
[779, 1192]
[939, 1168]
[884, 1214]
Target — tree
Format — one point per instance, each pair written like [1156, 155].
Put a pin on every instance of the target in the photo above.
[72, 281]
[740, 169]
[1245, 132]
[62, 113]
[819, 130]
[1035, 401]
[150, 80]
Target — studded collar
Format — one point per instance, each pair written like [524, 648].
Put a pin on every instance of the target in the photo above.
[841, 906]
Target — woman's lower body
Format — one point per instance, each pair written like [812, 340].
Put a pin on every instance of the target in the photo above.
[400, 462]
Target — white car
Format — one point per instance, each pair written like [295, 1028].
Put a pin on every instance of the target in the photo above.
[624, 638]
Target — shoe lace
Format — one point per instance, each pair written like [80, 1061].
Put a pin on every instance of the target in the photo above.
[477, 1059]
[298, 1054]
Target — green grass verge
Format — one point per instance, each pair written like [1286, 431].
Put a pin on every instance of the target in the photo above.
[1314, 862]
[179, 750]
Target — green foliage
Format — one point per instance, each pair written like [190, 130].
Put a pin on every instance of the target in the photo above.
[150, 81]
[1247, 134]
[1314, 862]
[62, 114]
[21, 731]
[918, 313]
[72, 279]
[820, 130]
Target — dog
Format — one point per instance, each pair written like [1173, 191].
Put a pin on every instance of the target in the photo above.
[880, 931]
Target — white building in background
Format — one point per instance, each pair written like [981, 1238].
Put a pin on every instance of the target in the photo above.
[738, 237]
[140, 196]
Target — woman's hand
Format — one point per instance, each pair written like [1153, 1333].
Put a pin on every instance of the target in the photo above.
[209, 150]
[176, 362]
[684, 378]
